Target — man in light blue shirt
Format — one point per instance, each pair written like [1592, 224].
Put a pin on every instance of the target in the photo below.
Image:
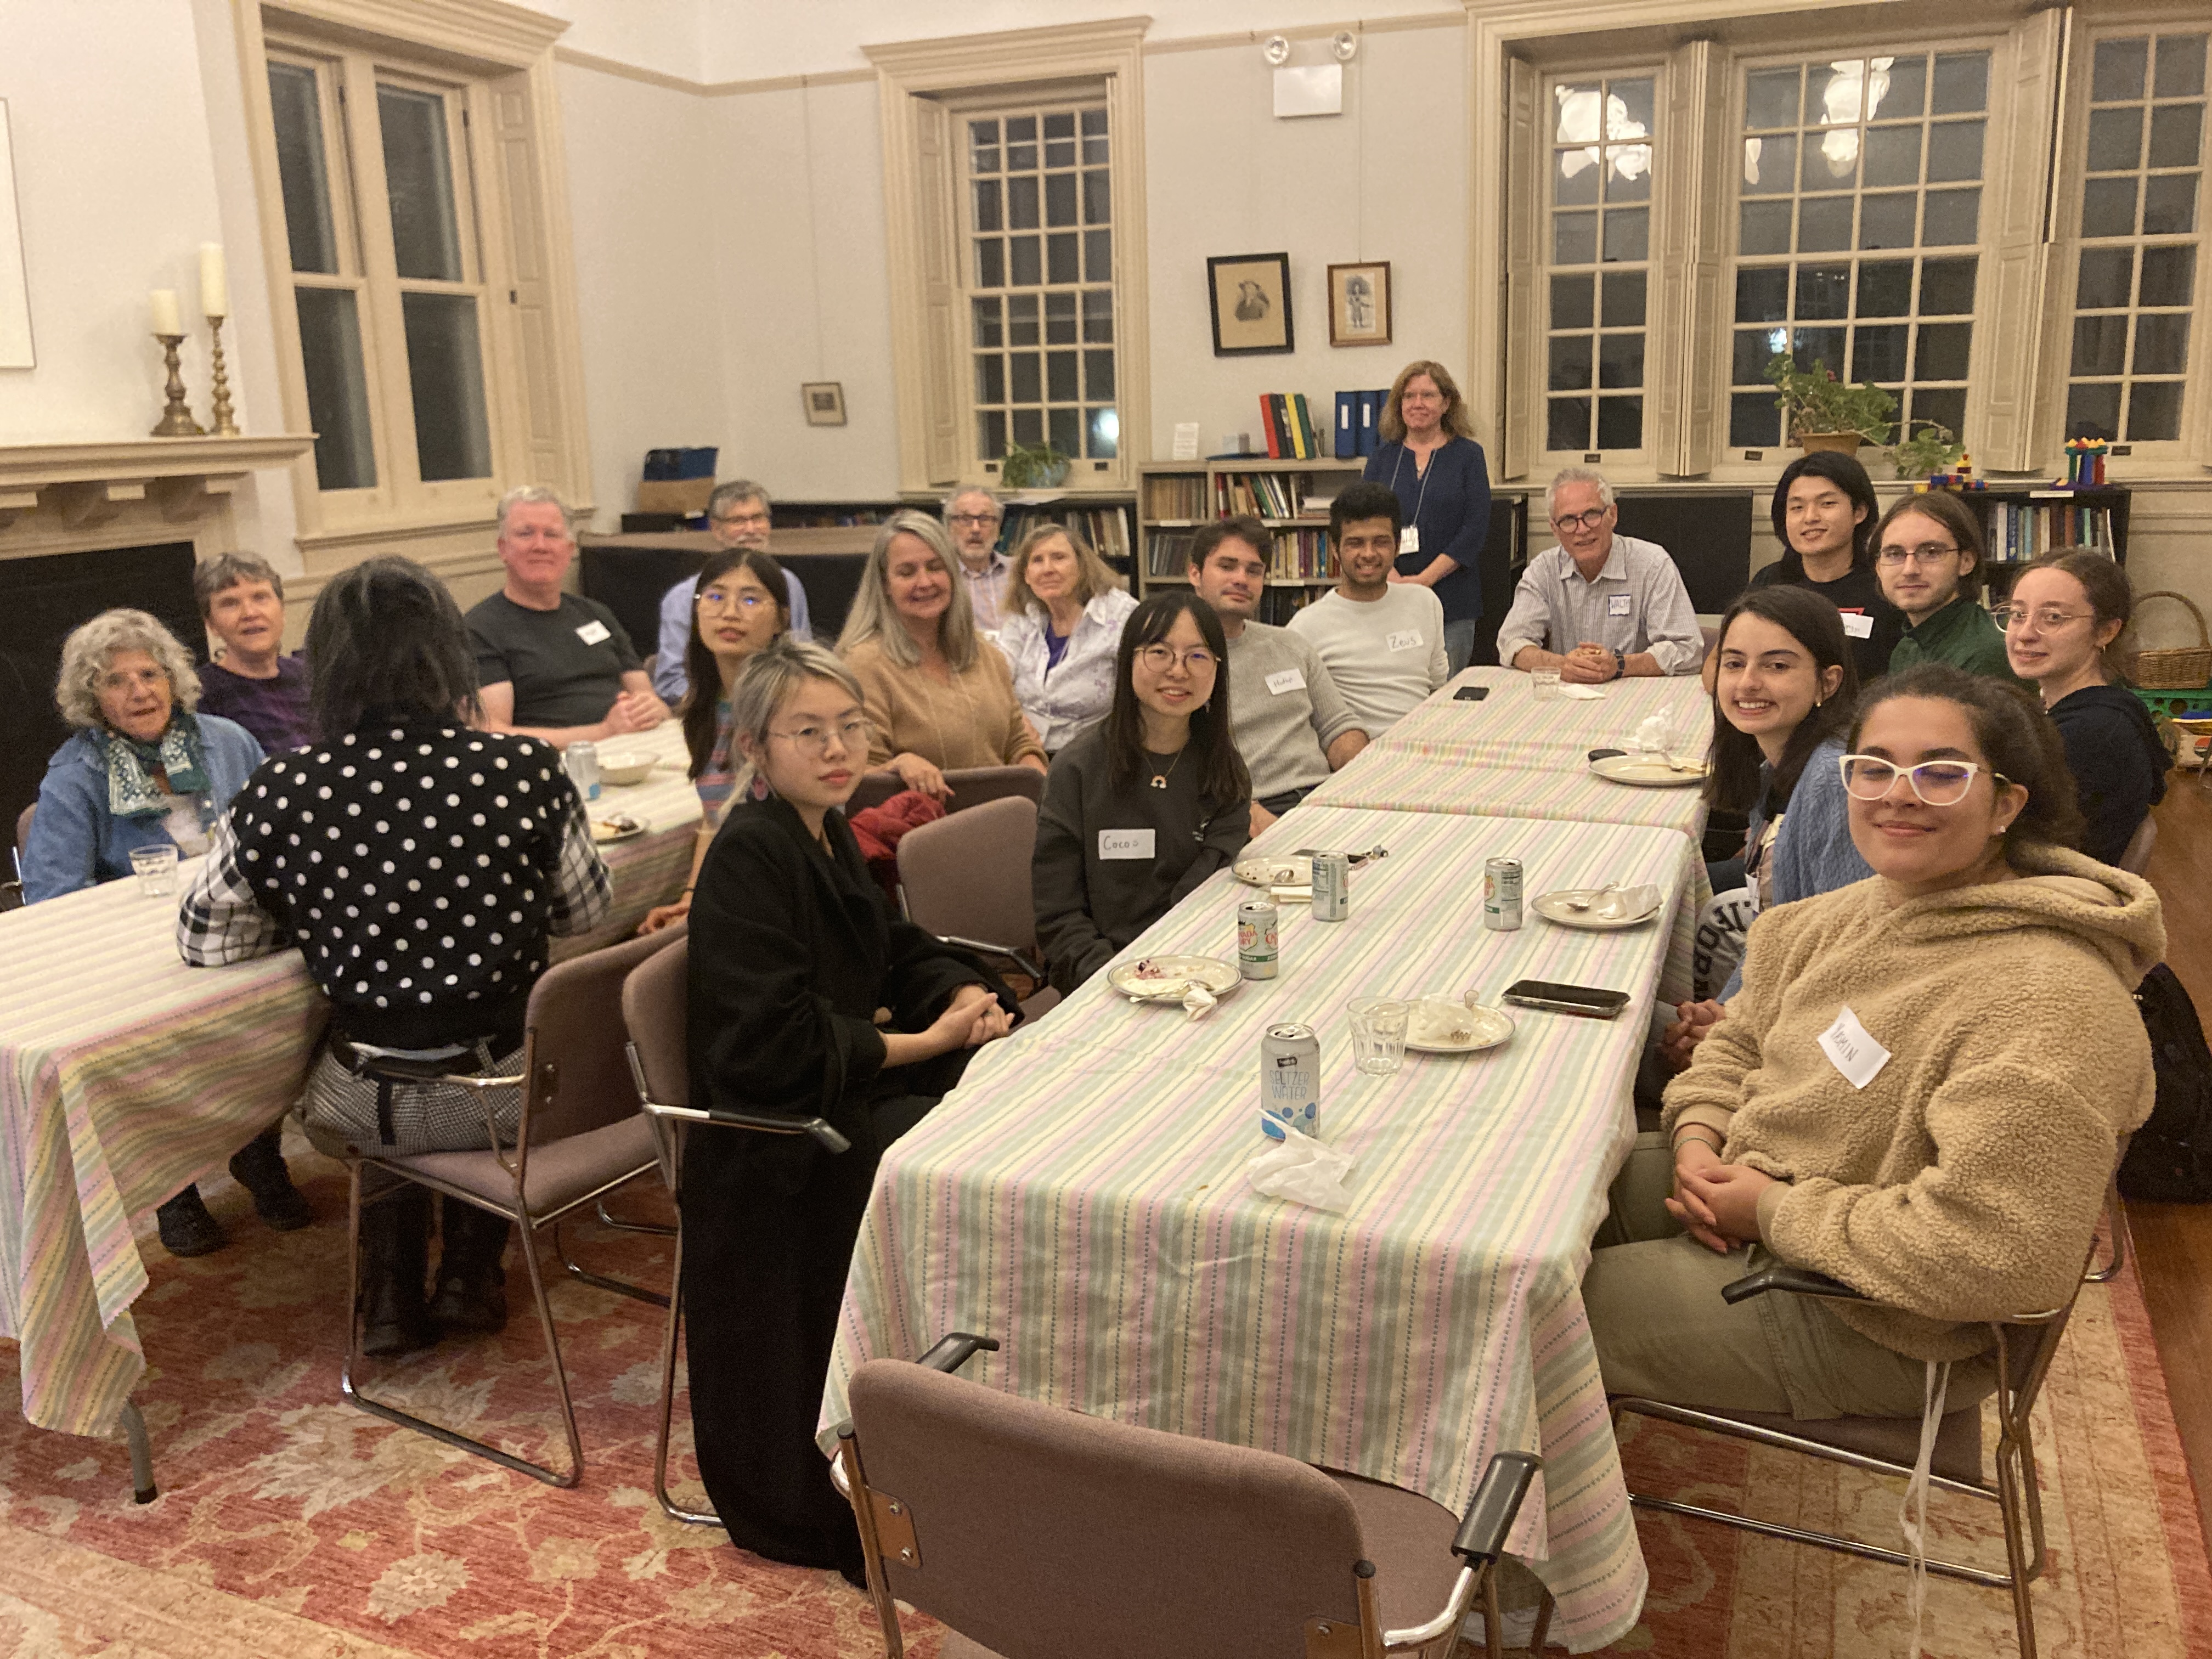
[1599, 604]
[738, 516]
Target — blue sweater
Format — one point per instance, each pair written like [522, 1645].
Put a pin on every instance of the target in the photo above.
[77, 842]
[1450, 507]
[1812, 851]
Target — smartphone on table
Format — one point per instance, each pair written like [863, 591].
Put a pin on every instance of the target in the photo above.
[1589, 1000]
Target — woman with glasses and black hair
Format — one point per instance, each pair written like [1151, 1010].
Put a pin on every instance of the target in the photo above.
[1824, 511]
[1927, 554]
[2066, 611]
[1141, 808]
[1920, 1091]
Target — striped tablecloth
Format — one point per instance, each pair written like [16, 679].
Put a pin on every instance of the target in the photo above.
[1081, 1196]
[124, 1074]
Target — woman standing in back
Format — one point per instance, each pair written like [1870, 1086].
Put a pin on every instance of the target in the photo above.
[1430, 458]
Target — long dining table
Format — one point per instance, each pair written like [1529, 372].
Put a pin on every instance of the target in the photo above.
[1082, 1196]
[126, 1074]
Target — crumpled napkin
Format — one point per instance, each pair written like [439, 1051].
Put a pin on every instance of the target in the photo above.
[1621, 902]
[1198, 1001]
[1582, 693]
[1652, 735]
[1303, 1169]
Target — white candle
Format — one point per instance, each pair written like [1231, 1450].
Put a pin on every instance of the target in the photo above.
[166, 320]
[215, 284]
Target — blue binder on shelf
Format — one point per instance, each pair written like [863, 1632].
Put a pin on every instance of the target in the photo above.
[1347, 426]
[1371, 415]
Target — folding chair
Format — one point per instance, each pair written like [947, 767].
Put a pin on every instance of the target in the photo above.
[966, 878]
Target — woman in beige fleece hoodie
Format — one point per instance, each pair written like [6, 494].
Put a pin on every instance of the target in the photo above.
[1920, 1090]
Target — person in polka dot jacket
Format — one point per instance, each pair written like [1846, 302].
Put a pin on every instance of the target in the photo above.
[420, 865]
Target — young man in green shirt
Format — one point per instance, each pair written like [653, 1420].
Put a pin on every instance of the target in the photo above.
[1928, 558]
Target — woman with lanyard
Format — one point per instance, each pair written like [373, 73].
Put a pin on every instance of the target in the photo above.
[1430, 458]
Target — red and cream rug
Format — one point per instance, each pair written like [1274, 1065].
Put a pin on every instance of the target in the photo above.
[292, 1524]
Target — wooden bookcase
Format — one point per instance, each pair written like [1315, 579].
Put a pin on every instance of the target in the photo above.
[1174, 498]
[2020, 524]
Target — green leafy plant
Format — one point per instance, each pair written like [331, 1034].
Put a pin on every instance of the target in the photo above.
[1814, 401]
[1032, 468]
[1923, 454]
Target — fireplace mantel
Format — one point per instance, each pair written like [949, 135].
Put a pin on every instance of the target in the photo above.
[78, 484]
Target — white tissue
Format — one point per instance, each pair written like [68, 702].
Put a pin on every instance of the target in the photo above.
[1652, 735]
[1617, 902]
[1197, 1000]
[1302, 1170]
[1582, 693]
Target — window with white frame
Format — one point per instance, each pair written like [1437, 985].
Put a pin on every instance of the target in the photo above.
[2136, 272]
[1037, 212]
[1599, 249]
[1858, 225]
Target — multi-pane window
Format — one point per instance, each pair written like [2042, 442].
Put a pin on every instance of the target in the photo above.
[387, 278]
[2137, 267]
[1038, 206]
[1858, 215]
[1599, 263]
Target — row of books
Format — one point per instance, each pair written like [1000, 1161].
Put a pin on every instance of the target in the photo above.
[1288, 421]
[1176, 497]
[1266, 494]
[2021, 530]
[1106, 528]
[1299, 555]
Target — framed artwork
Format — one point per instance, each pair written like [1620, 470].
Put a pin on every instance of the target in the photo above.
[1251, 300]
[825, 401]
[14, 288]
[1359, 304]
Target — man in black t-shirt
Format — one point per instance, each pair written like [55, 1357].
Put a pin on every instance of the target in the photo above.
[1823, 514]
[551, 663]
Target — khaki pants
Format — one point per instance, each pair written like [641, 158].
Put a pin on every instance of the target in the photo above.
[1662, 1331]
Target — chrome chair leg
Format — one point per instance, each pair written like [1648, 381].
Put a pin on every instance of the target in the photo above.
[669, 1506]
[658, 1229]
[621, 1287]
[2116, 1227]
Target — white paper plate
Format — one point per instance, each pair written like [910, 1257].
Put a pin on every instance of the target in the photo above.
[1440, 1025]
[1553, 907]
[1646, 772]
[1292, 870]
[1171, 976]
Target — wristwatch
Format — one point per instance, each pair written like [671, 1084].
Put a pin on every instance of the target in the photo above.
[1619, 665]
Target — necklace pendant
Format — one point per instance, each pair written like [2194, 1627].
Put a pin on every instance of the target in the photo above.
[1158, 782]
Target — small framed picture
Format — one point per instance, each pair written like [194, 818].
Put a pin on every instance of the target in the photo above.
[825, 401]
[1251, 299]
[1359, 304]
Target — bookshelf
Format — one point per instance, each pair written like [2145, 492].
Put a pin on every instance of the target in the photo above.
[2019, 526]
[1175, 498]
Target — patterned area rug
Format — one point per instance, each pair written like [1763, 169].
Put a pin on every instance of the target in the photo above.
[290, 1523]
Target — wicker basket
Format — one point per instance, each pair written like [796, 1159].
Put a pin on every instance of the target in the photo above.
[2177, 669]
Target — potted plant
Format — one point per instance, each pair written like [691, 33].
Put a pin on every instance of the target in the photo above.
[1040, 468]
[1923, 454]
[1821, 412]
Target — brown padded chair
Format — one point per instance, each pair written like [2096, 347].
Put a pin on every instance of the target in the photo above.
[971, 788]
[966, 878]
[1885, 1445]
[580, 1135]
[1038, 1533]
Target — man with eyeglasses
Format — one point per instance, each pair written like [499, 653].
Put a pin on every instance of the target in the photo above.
[737, 516]
[1620, 600]
[973, 516]
[1928, 556]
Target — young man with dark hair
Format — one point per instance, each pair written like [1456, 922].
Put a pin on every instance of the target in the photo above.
[1380, 635]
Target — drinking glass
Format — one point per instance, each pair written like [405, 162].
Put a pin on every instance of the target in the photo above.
[156, 869]
[1378, 1034]
[1548, 681]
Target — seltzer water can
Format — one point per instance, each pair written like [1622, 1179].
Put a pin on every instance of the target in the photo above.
[1332, 886]
[1256, 938]
[1290, 1079]
[1501, 894]
[581, 762]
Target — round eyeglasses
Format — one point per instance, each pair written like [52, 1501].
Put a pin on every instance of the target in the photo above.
[1162, 657]
[1937, 782]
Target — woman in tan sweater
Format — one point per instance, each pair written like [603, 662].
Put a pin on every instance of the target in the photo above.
[1920, 1090]
[939, 696]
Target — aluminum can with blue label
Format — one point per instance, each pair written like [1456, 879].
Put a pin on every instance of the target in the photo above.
[1290, 1080]
[1256, 942]
[1332, 886]
[1501, 895]
[581, 762]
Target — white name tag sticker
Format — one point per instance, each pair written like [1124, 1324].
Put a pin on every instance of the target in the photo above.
[1858, 624]
[1125, 844]
[1619, 605]
[1405, 639]
[593, 632]
[1288, 680]
[1409, 539]
[1852, 1050]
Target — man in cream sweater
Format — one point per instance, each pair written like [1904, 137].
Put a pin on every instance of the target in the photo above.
[1382, 638]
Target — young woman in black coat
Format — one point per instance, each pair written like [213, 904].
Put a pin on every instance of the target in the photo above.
[792, 953]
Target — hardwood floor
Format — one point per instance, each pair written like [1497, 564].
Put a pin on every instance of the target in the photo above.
[2173, 1242]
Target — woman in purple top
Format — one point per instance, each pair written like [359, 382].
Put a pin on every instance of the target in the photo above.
[1429, 458]
[241, 601]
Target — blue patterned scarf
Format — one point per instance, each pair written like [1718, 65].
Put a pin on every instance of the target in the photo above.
[131, 791]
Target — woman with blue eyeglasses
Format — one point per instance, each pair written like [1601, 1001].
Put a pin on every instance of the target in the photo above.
[741, 608]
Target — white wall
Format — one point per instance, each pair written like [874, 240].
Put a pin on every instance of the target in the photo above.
[666, 35]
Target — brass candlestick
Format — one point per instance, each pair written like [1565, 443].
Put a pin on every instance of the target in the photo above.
[219, 417]
[176, 420]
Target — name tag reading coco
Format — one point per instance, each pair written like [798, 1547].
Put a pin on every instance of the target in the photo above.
[1851, 1049]
[1289, 680]
[593, 632]
[1125, 844]
[1405, 639]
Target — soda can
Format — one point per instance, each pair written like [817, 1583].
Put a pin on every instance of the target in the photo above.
[581, 760]
[1290, 1079]
[1256, 938]
[1501, 894]
[1332, 886]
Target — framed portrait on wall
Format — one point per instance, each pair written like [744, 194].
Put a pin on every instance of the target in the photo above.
[825, 401]
[14, 287]
[1359, 304]
[1251, 303]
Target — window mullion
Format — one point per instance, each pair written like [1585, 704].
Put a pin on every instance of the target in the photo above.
[2011, 299]
[1682, 410]
[1527, 156]
[384, 328]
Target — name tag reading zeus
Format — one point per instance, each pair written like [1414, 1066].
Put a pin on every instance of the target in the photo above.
[593, 632]
[1850, 1047]
[1619, 605]
[1290, 680]
[1125, 844]
[1405, 639]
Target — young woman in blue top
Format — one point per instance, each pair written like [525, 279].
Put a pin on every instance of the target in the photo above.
[1429, 458]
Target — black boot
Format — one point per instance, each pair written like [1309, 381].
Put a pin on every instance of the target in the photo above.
[258, 1166]
[187, 1228]
[471, 1282]
[395, 1249]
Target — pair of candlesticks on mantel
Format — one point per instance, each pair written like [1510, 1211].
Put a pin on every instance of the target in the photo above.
[176, 420]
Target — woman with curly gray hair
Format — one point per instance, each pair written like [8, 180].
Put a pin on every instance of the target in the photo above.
[142, 769]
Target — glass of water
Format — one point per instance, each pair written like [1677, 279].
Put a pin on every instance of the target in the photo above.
[1378, 1034]
[156, 869]
[1546, 681]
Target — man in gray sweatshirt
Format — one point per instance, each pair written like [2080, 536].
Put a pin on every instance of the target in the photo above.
[1292, 726]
